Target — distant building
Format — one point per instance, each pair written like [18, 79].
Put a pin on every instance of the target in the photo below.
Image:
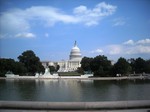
[68, 65]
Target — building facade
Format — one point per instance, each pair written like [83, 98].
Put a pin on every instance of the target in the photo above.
[72, 64]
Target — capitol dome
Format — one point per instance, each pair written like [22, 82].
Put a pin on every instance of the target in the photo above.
[75, 53]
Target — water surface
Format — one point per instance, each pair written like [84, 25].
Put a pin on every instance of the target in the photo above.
[74, 90]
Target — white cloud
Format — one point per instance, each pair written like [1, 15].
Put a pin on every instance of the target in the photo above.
[127, 50]
[119, 22]
[129, 42]
[143, 49]
[92, 16]
[138, 49]
[25, 35]
[114, 49]
[3, 36]
[49, 15]
[12, 22]
[46, 35]
[144, 41]
[16, 21]
[97, 51]
[129, 47]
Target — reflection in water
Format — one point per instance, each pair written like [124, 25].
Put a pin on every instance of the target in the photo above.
[74, 90]
[60, 90]
[26, 89]
[12, 89]
[8, 90]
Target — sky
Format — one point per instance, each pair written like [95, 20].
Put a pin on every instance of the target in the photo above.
[114, 28]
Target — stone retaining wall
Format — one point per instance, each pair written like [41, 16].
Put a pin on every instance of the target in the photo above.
[75, 105]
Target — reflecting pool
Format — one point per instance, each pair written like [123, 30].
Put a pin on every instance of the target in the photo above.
[64, 90]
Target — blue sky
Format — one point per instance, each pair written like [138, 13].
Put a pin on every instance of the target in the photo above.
[115, 28]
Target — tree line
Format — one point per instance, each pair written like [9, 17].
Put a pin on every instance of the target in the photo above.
[101, 66]
[28, 64]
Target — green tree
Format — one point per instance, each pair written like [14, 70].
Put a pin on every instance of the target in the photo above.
[31, 62]
[140, 65]
[101, 66]
[57, 68]
[19, 68]
[80, 70]
[132, 64]
[122, 67]
[147, 68]
[85, 63]
[6, 65]
[52, 69]
[11, 65]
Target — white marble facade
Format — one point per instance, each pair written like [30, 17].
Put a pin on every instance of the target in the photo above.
[68, 65]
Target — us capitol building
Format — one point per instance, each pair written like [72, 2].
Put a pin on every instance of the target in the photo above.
[68, 65]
